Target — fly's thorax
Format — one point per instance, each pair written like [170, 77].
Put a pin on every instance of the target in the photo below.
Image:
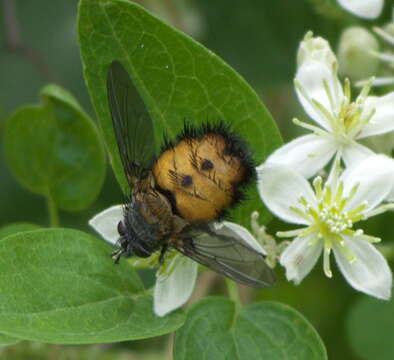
[204, 174]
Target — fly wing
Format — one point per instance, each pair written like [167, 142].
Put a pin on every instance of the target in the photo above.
[228, 255]
[132, 123]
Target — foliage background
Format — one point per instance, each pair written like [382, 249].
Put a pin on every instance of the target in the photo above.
[259, 39]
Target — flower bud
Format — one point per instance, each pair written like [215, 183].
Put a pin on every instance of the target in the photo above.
[315, 48]
[355, 53]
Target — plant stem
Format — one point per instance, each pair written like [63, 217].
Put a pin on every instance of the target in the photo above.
[53, 213]
[233, 293]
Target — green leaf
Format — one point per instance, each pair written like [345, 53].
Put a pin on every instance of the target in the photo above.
[370, 328]
[8, 340]
[214, 330]
[61, 286]
[177, 78]
[54, 150]
[4, 232]
[16, 228]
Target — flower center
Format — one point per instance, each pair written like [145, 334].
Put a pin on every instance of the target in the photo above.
[351, 117]
[328, 220]
[333, 221]
[345, 118]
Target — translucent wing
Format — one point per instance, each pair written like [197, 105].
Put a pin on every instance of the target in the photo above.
[132, 123]
[228, 255]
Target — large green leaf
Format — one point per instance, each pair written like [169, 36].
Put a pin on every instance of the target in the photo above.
[370, 327]
[215, 330]
[177, 78]
[61, 286]
[54, 150]
[8, 340]
[16, 228]
[4, 232]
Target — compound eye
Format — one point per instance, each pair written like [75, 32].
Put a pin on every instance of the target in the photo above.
[207, 165]
[121, 228]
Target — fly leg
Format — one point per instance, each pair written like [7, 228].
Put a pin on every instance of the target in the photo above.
[116, 255]
[162, 254]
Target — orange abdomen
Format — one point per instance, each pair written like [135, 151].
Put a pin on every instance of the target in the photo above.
[204, 173]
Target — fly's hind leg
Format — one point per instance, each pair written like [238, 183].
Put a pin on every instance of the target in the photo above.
[116, 255]
[163, 253]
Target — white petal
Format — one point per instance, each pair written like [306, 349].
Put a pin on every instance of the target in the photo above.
[106, 223]
[370, 273]
[355, 153]
[280, 188]
[300, 257]
[368, 9]
[239, 232]
[307, 154]
[173, 291]
[375, 177]
[311, 76]
[383, 120]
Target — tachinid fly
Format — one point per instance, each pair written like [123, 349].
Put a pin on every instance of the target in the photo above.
[176, 197]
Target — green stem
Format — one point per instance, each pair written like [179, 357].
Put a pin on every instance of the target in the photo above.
[233, 293]
[53, 213]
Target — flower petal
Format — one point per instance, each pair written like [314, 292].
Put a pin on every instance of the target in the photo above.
[355, 153]
[106, 223]
[368, 9]
[300, 257]
[370, 273]
[231, 229]
[280, 188]
[174, 290]
[375, 177]
[311, 76]
[383, 119]
[307, 154]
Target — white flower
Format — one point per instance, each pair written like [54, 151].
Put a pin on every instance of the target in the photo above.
[176, 278]
[329, 213]
[368, 9]
[342, 122]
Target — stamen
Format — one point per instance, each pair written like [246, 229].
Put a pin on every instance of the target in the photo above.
[318, 106]
[347, 89]
[300, 213]
[317, 184]
[370, 239]
[384, 35]
[357, 210]
[353, 191]
[386, 57]
[338, 195]
[290, 233]
[336, 82]
[328, 92]
[326, 261]
[379, 210]
[364, 91]
[315, 129]
[327, 194]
